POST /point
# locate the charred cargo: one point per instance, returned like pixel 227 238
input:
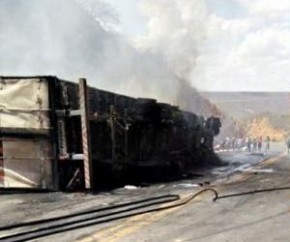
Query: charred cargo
pixel 60 135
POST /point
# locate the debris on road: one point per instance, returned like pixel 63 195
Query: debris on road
pixel 130 187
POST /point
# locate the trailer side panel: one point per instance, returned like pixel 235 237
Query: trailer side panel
pixel 26 156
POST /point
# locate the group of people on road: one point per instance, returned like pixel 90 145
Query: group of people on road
pixel 232 143
pixel 254 145
pixel 251 145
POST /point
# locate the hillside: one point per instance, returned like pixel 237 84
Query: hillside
pixel 247 104
pixel 256 113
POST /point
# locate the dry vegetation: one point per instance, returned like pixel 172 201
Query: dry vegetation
pixel 277 127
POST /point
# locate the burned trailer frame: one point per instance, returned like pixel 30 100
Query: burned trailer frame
pixel 96 138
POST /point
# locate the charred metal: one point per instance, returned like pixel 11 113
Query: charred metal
pixel 61 135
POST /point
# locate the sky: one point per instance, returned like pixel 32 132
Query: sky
pixel 245 44
pixel 150 47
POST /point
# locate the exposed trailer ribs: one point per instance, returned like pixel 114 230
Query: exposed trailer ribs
pixel 64 129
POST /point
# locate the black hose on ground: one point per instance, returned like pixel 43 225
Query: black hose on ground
pixel 164 199
pixel 82 223
pixel 64 227
pixel 251 192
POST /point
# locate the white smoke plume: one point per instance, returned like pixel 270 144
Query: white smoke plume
pixel 102 12
pixel 81 38
pixel 176 30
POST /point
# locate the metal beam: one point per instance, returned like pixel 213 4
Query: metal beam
pixel 86 141
pixel 1 165
pixel 74 113
pixel 52 83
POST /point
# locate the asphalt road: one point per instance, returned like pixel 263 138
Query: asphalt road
pixel 260 216
pixel 256 217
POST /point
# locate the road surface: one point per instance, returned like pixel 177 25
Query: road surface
pixel 256 217
pixel 261 216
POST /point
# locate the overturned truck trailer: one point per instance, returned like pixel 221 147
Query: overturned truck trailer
pixel 60 135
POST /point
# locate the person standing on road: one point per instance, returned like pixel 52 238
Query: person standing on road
pixel 249 144
pixel 233 143
pixel 267 148
pixel 227 144
pixel 260 144
pixel 288 144
pixel 255 143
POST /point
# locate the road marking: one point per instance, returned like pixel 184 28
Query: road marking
pixel 102 233
pixel 132 225
pixel 126 227
pixel 139 223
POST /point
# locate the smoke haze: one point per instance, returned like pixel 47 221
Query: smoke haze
pixel 72 39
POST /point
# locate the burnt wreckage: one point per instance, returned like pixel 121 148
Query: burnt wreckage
pixel 61 135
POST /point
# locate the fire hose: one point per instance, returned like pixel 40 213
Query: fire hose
pixel 60 227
